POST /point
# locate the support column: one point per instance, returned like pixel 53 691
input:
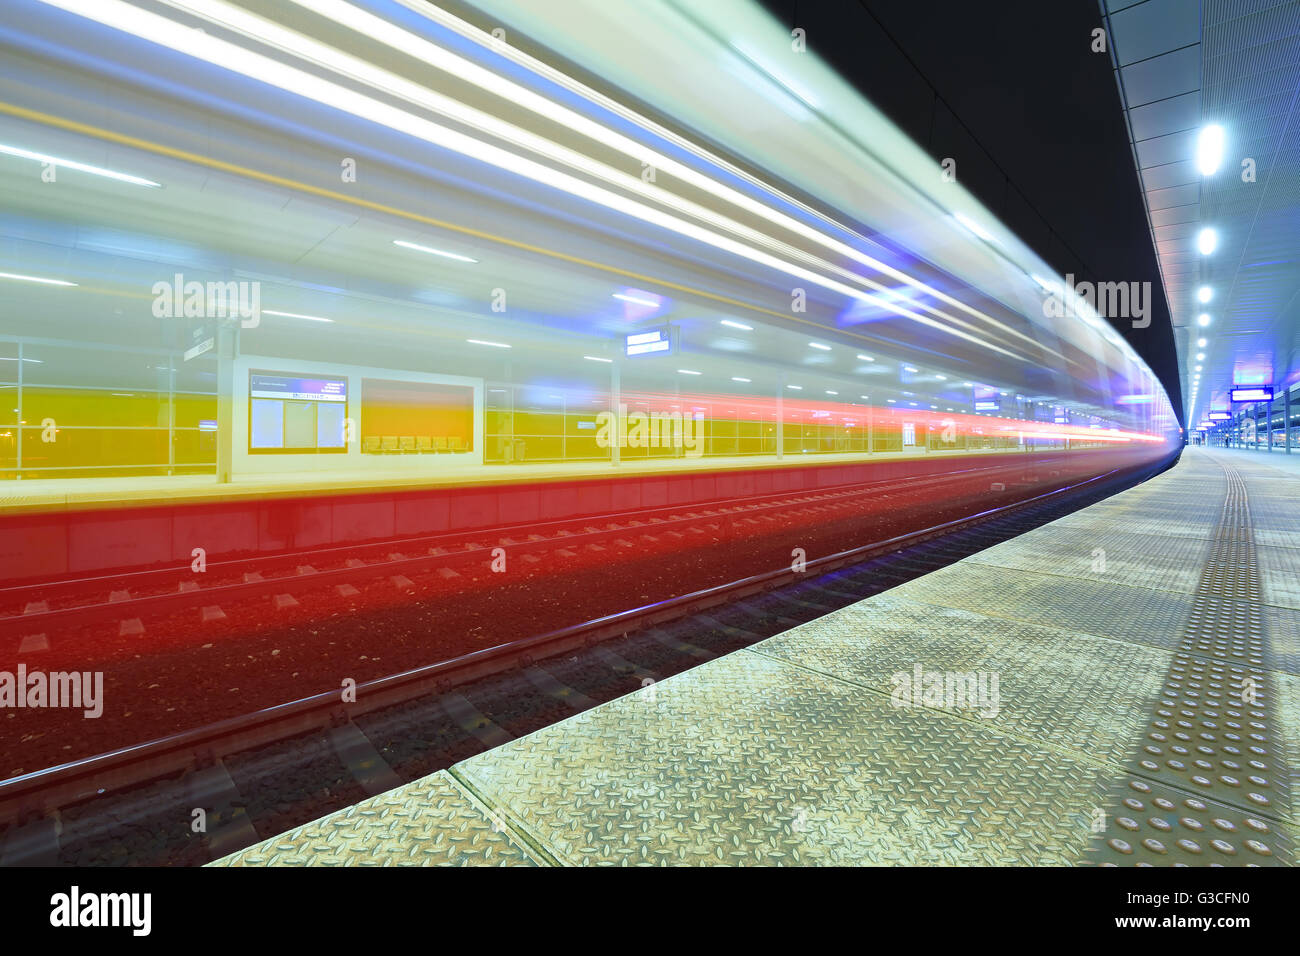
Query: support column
pixel 615 400
pixel 227 351
pixel 871 440
pixel 171 413
pixel 1286 419
pixel 780 417
pixel 18 448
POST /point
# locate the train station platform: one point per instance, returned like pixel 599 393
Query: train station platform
pixel 1119 686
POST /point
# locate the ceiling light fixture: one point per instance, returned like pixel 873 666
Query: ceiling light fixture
pixel 1209 150
pixel 1207 240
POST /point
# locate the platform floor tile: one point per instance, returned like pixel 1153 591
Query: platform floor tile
pixel 1279 571
pixel 1090 522
pixel 1288 692
pixel 1169 564
pixel 1060 688
pixel 1283 625
pixel 1135 614
pixel 431 822
pixel 750 760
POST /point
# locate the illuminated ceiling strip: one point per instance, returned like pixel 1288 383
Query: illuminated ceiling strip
pixel 43 281
pixel 160 30
pixel 56 162
pixel 485 79
pixel 288 41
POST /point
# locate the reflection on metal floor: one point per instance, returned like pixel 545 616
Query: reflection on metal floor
pixel 1119 686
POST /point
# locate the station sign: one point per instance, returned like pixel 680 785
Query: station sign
pixel 1220 416
pixel 1254 393
pixel 298 389
pixel 648 343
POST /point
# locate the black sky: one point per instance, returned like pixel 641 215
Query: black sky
pixel 1021 76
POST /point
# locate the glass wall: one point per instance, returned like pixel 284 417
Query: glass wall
pixel 74 412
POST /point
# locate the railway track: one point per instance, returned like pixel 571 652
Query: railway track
pixel 267 771
pixel 129 600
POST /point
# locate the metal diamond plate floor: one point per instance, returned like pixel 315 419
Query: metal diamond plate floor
pixel 1113 688
pixel 432 822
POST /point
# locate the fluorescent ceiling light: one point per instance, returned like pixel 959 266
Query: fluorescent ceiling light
pixel 818 345
pixel 1202 319
pixel 635 301
pixel 737 378
pixel 1209 150
pixel 495 345
pixel 22 278
pixel 829 392
pixel 737 325
pixel 797 388
pixel 687 371
pixel 942 378
pixel 1205 293
pixel 865 358
pixel 296 315
pixel 1206 241
pixel 431 251
pixel 597 358
pixel 908 368
pixel 80 167
pixel 6 358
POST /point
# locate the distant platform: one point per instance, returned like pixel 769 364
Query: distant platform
pixel 1146 652
pixel 58 494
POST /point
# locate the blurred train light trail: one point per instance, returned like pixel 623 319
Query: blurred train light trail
pixel 80 167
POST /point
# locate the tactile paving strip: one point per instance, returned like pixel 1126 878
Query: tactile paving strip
pixel 750 760
pixel 1154 825
pixel 431 822
pixel 1081 693
pixel 1213 737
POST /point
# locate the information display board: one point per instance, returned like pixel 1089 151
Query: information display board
pixel 987 399
pixel 288 414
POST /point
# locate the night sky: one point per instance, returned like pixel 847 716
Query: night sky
pixel 1019 75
